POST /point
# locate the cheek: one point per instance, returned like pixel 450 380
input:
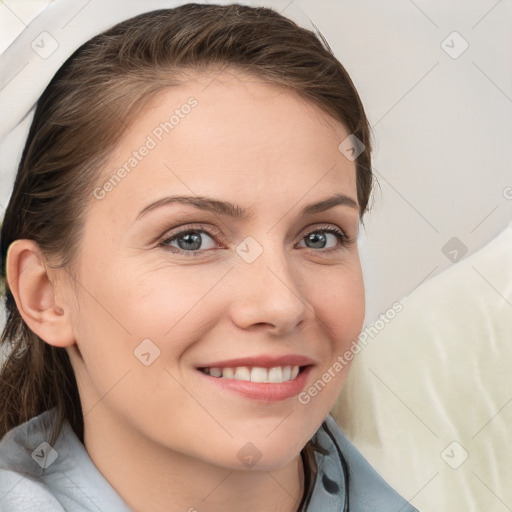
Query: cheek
pixel 340 308
pixel 177 305
pixel 125 304
pixel 340 303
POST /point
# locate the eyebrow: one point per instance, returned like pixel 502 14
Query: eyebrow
pixel 233 210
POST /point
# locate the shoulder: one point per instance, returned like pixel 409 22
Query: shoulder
pixel 36 476
pixel 346 477
pixel 19 493
pixel 22 487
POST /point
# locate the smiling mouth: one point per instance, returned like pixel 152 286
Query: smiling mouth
pixel 257 374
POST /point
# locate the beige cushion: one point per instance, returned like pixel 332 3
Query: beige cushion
pixel 429 398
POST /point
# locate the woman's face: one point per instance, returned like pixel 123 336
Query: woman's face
pixel 180 302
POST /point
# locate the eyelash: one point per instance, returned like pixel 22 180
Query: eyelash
pixel 344 240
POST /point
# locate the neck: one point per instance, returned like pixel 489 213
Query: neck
pixel 152 478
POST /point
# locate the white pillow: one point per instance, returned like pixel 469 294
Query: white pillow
pixel 428 400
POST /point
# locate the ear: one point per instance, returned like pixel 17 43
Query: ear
pixel 29 280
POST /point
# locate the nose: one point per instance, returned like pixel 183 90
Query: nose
pixel 269 293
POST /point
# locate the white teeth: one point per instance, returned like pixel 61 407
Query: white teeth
pixel 259 374
pixel 274 375
pixel 242 373
pixel 215 372
pixel 228 373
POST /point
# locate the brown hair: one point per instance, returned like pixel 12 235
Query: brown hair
pixel 82 114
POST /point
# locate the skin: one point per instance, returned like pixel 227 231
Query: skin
pixel 162 435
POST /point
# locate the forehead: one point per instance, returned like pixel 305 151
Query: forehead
pixel 227 134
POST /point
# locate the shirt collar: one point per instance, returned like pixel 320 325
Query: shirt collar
pixel 337 475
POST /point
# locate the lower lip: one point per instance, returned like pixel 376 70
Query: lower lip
pixel 263 391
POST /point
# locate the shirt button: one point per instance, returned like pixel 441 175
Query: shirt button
pixel 329 485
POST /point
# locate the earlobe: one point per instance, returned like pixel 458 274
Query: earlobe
pixel 35 294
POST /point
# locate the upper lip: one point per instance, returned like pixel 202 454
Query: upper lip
pixel 263 361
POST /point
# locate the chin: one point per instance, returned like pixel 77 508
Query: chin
pixel 274 446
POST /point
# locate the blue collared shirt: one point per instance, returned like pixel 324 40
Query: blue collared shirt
pixel 35 476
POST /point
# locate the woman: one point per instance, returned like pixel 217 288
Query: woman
pixel 183 275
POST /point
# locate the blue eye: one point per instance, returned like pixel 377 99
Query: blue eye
pixel 319 237
pixel 190 242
